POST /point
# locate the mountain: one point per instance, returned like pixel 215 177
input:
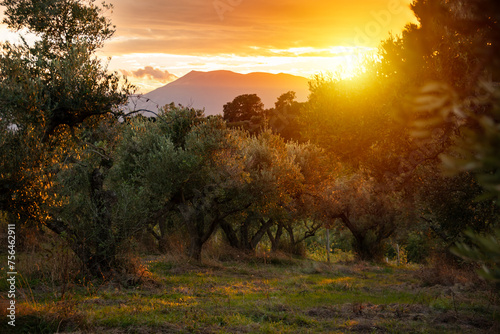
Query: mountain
pixel 211 90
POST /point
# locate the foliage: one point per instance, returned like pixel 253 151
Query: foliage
pixel 471 109
pixel 485 250
pixel 245 111
pixel 281 179
pixel 417 247
pixel 54 92
pixel 449 205
pixel 273 179
pixel 360 164
pixel 442 47
pixel 353 121
pixel 61 87
pixel 357 123
pixel 368 210
pixel 61 23
pixel 186 165
pixel 284 117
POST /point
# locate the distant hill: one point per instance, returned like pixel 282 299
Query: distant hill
pixel 211 90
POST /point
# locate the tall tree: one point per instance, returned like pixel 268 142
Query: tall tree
pixel 53 94
pixel 357 120
pixel 471 110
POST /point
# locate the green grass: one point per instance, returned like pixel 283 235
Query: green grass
pixel 301 296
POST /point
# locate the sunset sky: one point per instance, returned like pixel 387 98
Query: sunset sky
pixel 158 40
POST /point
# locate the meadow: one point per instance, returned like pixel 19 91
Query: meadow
pixel 261 294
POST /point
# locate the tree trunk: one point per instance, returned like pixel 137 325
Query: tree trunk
pixel 244 243
pixel 195 248
pixel 105 245
pixel 367 243
pixel 200 225
pixel 163 245
pixel 368 248
pixel 98 254
pixel 230 234
pixel 275 240
pixel 291 236
pixel 260 233
pixel 397 254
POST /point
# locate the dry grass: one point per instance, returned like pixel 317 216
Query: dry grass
pixel 439 271
pixel 263 294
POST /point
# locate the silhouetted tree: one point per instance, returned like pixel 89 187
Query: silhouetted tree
pixel 284 117
pixel 246 111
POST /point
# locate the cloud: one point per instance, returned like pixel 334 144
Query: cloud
pixel 196 27
pixel 151 73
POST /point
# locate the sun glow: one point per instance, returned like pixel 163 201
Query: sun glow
pixel 340 61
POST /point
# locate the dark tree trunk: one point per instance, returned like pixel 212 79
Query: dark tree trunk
pixel 260 233
pixel 160 218
pixel 275 240
pixel 244 242
pixel 291 236
pixel 368 243
pixel 92 264
pixel 105 245
pixel 163 245
pixel 98 253
pixel 230 234
pixel 195 247
pixel 201 226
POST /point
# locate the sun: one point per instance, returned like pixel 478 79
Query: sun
pixel 344 62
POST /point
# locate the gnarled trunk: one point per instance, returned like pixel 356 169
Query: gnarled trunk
pixel 275 239
pixel 245 242
pixel 195 247
pixel 200 225
pixel 368 242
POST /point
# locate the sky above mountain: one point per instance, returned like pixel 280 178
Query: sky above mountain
pixel 159 40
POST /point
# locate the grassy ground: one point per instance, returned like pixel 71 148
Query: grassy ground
pixel 259 296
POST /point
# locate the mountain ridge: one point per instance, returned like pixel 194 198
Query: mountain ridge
pixel 211 90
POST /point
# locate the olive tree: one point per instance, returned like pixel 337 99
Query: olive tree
pixel 54 94
pixel 273 178
pixel 186 165
pixel 467 108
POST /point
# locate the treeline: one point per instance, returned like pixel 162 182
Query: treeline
pixel 363 154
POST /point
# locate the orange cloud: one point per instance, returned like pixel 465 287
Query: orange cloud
pixel 244 27
pixel 151 73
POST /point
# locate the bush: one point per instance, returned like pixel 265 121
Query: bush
pixel 443 270
pixel 417 248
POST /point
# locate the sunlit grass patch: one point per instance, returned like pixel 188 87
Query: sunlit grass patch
pixel 249 297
